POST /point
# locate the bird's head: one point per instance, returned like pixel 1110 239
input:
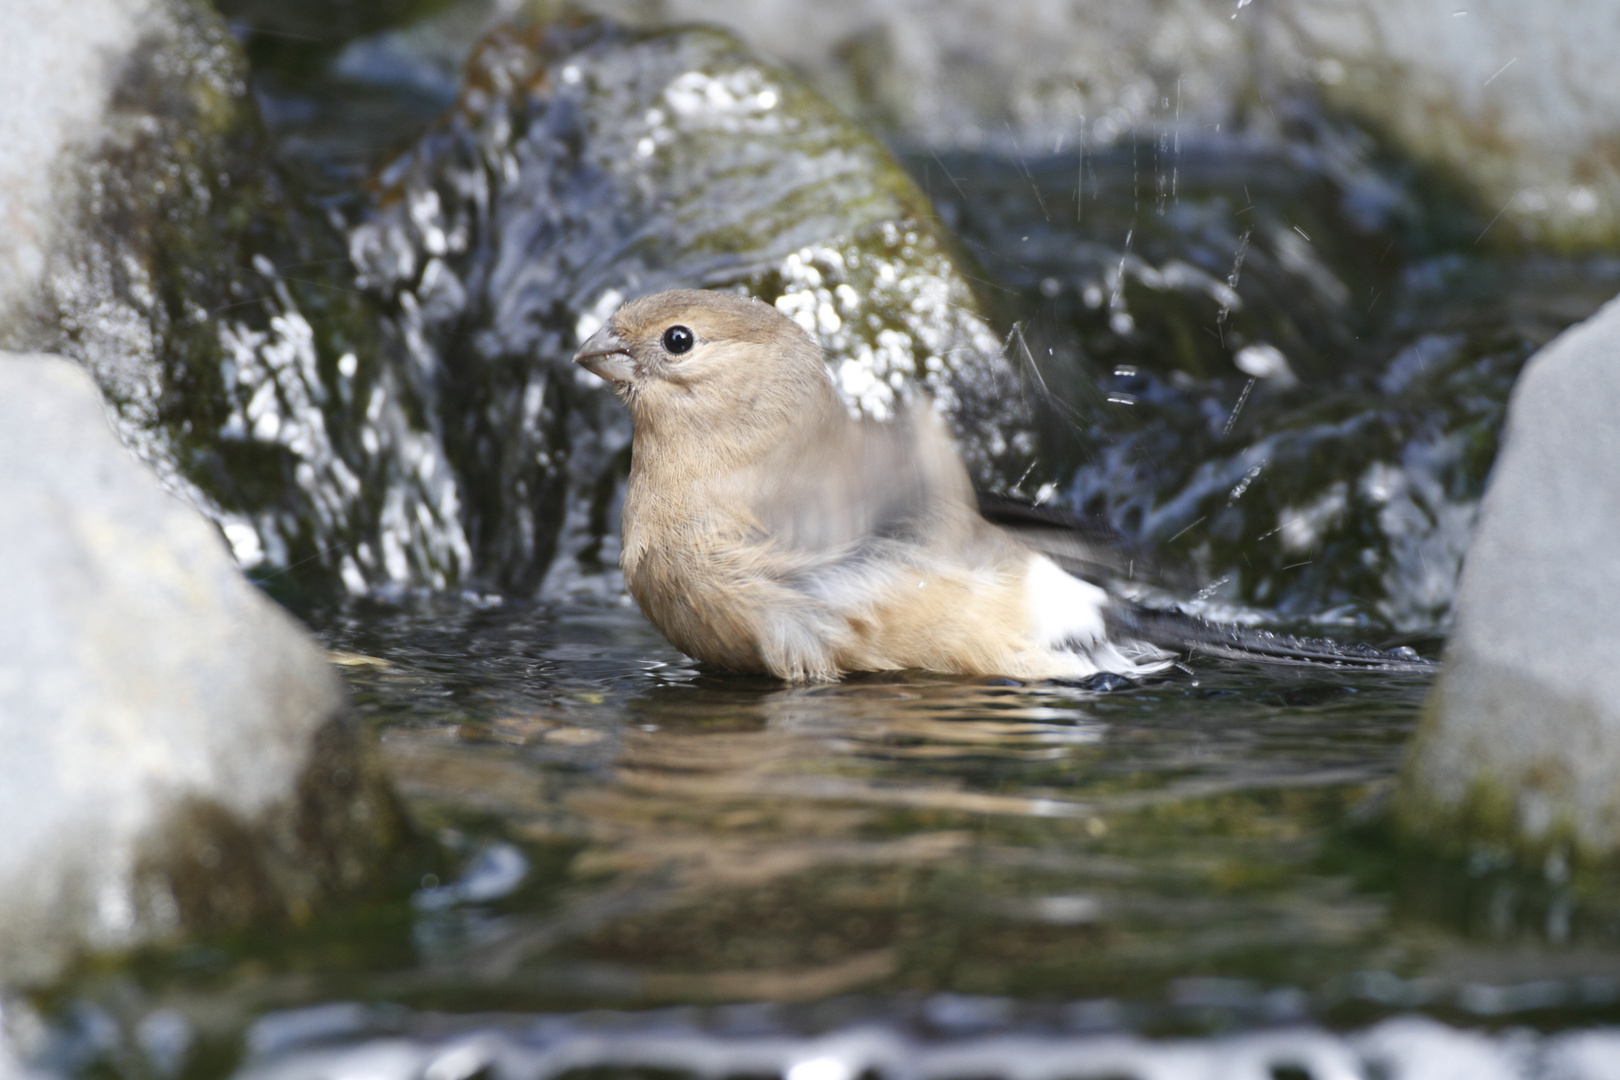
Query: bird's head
pixel 689 360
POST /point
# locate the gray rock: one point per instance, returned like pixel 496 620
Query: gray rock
pixel 61 47
pixel 151 239
pixel 583 166
pixel 1520 742
pixel 177 756
pixel 1521 100
pixel 442 441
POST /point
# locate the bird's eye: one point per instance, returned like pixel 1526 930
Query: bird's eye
pixel 678 339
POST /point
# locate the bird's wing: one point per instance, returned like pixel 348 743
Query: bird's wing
pixel 1082 547
pixel 862 486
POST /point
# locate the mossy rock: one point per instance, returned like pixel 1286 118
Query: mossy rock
pixel 216 313
pixel 583 166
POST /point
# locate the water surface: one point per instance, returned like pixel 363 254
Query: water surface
pixel 693 837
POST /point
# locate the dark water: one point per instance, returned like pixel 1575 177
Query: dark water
pixel 1342 490
pixel 699 838
pixel 709 838
pixel 636 864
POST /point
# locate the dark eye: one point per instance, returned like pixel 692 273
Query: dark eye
pixel 678 339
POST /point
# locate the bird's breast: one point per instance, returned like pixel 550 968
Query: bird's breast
pixel 690 567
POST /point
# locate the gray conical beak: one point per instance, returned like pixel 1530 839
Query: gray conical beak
pixel 606 356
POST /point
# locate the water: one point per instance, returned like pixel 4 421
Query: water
pixel 913 835
pixel 695 838
pixel 641 865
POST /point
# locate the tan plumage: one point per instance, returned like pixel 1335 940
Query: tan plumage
pixel 765 530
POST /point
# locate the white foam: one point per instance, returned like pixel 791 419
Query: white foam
pixel 1408 1046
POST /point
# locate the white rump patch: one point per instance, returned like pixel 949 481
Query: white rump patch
pixel 1068 617
pixel 1068 612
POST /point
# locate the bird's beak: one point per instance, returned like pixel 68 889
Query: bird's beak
pixel 606 356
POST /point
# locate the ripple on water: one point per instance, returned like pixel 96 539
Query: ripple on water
pixel 644 865
pixel 735 837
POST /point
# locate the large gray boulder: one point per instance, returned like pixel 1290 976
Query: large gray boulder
pixel 1521 101
pixel 175 750
pixel 1520 743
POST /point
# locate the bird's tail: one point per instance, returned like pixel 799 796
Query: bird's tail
pixel 1188 634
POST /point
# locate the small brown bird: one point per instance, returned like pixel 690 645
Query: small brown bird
pixel 766 530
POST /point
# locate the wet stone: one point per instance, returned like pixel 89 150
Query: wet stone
pixel 214 309
pixel 584 166
pixel 1518 104
pixel 1520 742
pixel 179 758
pixel 1284 378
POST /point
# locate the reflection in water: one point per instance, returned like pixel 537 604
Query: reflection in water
pixel 707 839
pixel 655 868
